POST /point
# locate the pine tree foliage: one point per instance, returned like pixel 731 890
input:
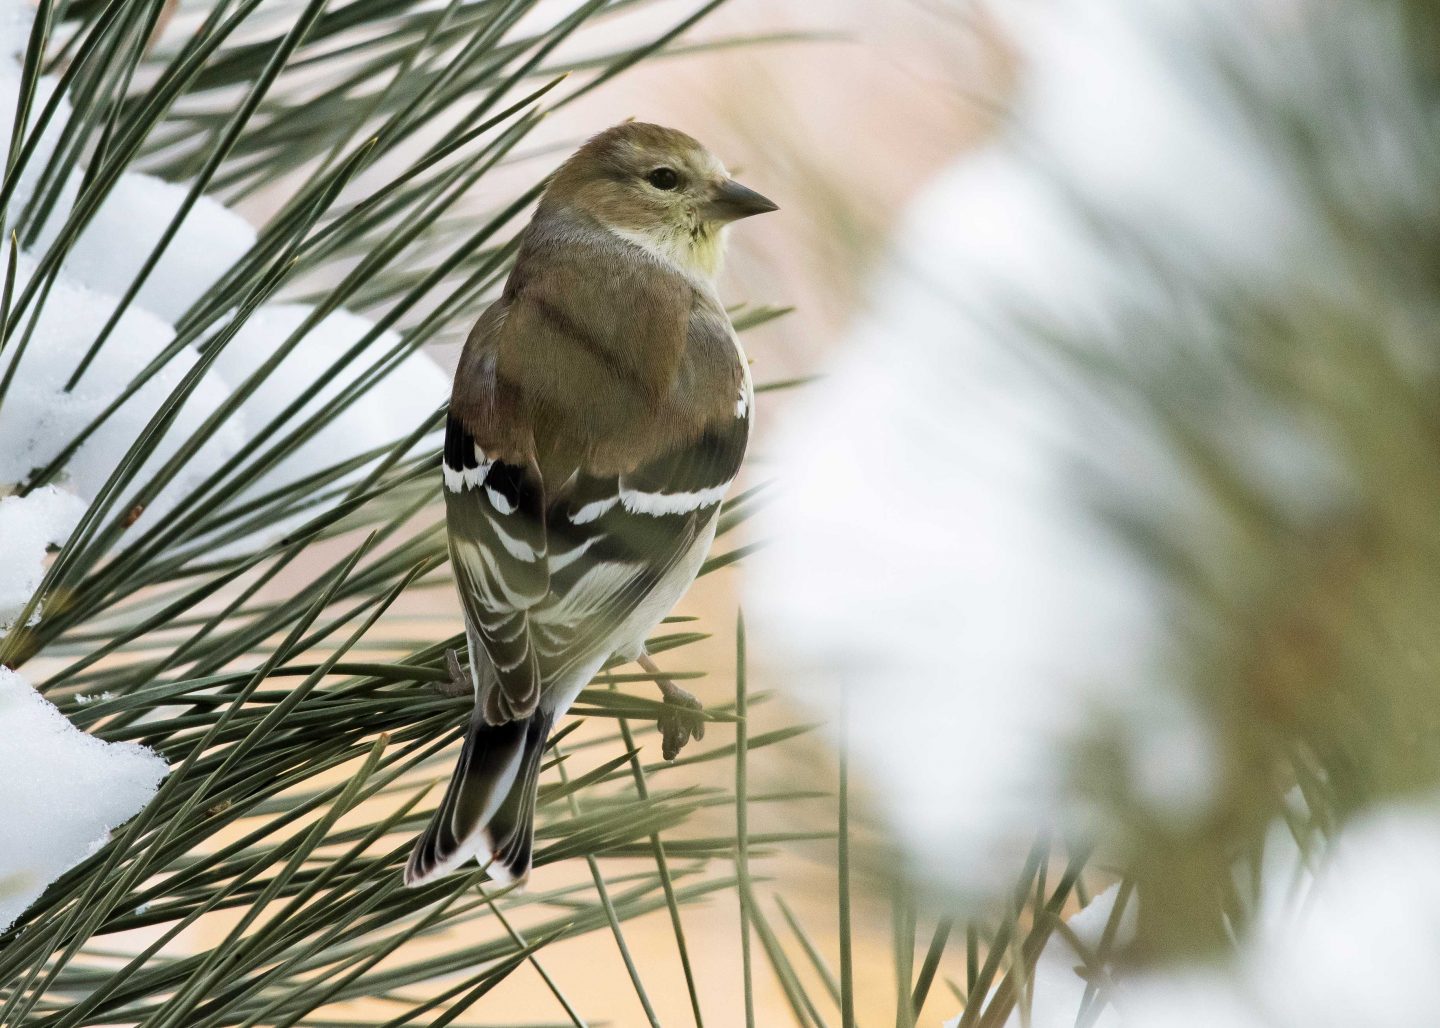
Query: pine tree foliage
pixel 303 741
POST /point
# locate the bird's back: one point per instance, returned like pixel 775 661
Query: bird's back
pixel 605 355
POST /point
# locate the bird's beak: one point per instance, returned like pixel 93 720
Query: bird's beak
pixel 730 201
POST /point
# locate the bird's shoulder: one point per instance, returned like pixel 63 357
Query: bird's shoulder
pixel 482 404
pixel 569 259
pixel 596 355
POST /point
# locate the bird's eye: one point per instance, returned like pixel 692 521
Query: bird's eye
pixel 663 178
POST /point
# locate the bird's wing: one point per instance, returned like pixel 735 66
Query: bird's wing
pixel 495 513
pixel 547 586
pixel 614 539
pixel 560 530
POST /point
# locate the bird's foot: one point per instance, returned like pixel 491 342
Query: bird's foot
pixel 459 683
pixel 683 717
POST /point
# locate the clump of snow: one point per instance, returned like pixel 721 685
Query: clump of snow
pixel 1057 988
pixel 978 620
pixel 16 17
pixel 1350 945
pixel 124 231
pixel 49 138
pixel 39 417
pixel 379 417
pixel 60 790
pixel 61 793
pixel 983 618
pixel 1119 106
pixel 946 545
pixel 1063 972
pixel 1371 916
pixel 28 526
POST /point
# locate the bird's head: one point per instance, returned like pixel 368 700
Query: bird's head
pixel 658 188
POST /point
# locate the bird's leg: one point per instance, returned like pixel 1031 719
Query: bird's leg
pixel 459 684
pixel 683 717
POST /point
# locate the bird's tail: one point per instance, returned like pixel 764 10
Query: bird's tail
pixel 489 808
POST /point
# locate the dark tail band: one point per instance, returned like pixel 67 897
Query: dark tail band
pixel 488 812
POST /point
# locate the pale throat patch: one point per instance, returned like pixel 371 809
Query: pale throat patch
pixel 698 256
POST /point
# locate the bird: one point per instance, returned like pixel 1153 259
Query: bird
pixel 601 409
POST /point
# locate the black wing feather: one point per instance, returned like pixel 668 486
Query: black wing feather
pixel 549 582
pixel 495 514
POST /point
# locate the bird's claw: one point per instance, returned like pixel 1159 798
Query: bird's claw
pixel 682 718
pixel 459 683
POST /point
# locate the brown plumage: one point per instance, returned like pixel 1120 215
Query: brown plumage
pixel 601 409
pixel 602 370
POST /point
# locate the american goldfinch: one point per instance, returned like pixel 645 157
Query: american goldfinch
pixel 600 412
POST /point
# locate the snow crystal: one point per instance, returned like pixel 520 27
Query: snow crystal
pixel 124 231
pixel 86 698
pixel 61 793
pixel 28 525
pixel 380 416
